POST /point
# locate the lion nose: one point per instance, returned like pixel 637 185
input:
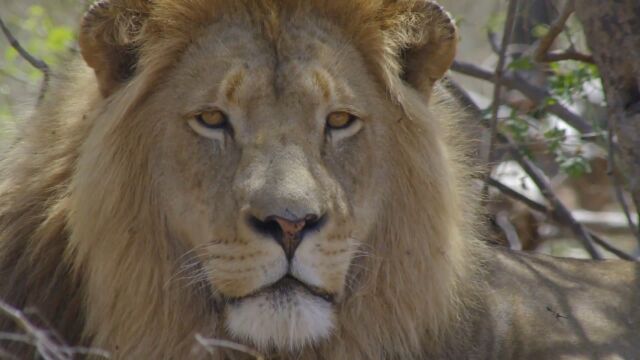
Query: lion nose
pixel 289 233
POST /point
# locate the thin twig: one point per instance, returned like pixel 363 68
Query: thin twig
pixel 508 229
pixel 492 37
pixel 560 213
pixel 543 209
pixel 35 62
pixel 537 176
pixel 48 345
pixel 569 54
pixel 611 172
pixel 612 249
pixel 545 42
pixel 497 77
pixel 541 53
pixel 209 344
pixel 537 94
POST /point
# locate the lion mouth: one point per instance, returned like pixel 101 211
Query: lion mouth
pixel 286 286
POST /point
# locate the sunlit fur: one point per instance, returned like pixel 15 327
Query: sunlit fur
pixel 100 200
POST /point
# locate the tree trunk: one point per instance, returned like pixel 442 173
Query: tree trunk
pixel 612 28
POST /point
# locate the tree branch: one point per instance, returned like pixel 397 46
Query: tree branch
pixel 535 93
pixel 35 62
pixel 48 345
pixel 545 42
pixel 568 54
pixel 497 78
pixel 542 53
pixel 541 208
pixel 558 207
pixel 556 216
pixel 507 228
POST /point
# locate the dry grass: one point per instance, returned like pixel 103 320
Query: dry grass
pixel 50 346
pixel 47 343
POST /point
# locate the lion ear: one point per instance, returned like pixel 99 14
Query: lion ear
pixel 428 40
pixel 107 39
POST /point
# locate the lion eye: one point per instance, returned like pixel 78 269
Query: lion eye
pixel 212 119
pixel 341 125
pixel 212 124
pixel 340 120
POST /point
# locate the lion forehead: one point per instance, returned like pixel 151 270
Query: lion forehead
pixel 313 65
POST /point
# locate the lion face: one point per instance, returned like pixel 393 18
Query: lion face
pixel 266 161
pixel 280 156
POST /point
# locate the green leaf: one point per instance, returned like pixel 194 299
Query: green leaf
pixel 59 38
pixel 10 54
pixel 496 22
pixel 555 138
pixel 517 127
pixel 569 78
pixel 540 30
pixel 575 166
pixel 555 133
pixel 522 63
pixel 36 11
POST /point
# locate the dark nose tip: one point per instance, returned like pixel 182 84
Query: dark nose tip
pixel 289 233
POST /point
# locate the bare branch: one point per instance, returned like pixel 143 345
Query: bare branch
pixel 612 249
pixel 536 94
pixel 541 182
pixel 541 208
pixel 497 77
pixel 556 216
pixel 209 344
pixel 509 231
pixel 542 53
pixel 568 55
pixel 35 62
pixel 555 29
pixel 493 42
pixel 558 212
pixel 48 345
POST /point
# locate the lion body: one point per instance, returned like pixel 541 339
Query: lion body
pixel 103 201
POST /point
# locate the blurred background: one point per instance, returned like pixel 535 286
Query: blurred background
pixel 550 117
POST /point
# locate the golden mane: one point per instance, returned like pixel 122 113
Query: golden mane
pixel 59 185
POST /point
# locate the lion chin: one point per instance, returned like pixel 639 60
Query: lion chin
pixel 286 317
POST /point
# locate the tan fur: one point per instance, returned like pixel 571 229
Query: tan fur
pixel 126 230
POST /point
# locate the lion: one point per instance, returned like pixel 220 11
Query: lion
pixel 286 175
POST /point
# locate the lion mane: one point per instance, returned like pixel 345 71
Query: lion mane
pixel 85 242
pixel 82 241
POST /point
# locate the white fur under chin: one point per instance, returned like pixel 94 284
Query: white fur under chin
pixel 283 321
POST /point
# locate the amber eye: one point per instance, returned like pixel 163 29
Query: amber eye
pixel 212 124
pixel 340 120
pixel 214 119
